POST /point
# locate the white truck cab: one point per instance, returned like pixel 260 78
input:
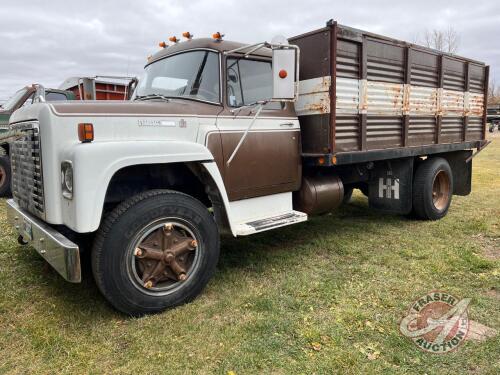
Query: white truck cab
pixel 211 125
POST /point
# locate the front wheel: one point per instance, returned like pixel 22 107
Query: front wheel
pixel 154 251
pixel 432 189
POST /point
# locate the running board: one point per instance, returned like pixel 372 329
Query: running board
pixel 268 223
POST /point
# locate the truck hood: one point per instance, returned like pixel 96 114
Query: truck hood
pixel 176 107
pixel 119 108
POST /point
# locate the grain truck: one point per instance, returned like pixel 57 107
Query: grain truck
pixel 225 137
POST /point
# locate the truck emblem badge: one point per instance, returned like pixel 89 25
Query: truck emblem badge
pixel 386 190
pixel 156 123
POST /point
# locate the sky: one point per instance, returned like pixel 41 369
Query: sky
pixel 48 41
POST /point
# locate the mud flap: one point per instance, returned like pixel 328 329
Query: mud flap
pixel 391 186
pixel 461 169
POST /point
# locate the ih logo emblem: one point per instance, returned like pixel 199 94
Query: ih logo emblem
pixel 388 188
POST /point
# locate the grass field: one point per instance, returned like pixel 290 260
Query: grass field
pixel 322 297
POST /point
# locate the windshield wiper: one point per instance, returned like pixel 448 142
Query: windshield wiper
pixel 153 96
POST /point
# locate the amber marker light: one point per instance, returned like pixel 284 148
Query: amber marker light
pixel 162 44
pixel 217 36
pixel 187 35
pixel 321 161
pixel 334 159
pixel 173 39
pixel 282 73
pixel 85 132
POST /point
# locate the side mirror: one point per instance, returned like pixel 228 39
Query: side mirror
pixel 285 68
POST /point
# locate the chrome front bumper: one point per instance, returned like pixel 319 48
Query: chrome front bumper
pixel 57 250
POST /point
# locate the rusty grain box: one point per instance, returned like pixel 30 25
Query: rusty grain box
pixel 364 96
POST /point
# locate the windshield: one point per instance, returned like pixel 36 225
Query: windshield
pixel 190 75
pixel 13 100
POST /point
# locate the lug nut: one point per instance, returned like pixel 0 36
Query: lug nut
pixel 148 284
pixel 137 252
pixel 194 243
pixel 182 277
pixel 168 226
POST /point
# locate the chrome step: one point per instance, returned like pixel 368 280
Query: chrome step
pixel 268 223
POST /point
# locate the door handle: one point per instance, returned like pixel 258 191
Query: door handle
pixel 287 124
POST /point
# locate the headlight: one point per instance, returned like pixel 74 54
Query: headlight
pixel 67 179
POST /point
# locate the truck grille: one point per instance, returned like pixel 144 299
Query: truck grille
pixel 26 164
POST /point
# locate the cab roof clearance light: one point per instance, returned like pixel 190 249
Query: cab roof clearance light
pixel 217 36
pixel 173 39
pixel 187 35
pixel 162 45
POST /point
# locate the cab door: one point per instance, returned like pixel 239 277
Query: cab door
pixel 268 161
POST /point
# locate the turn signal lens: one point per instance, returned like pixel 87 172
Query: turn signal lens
pixel 217 36
pixel 187 35
pixel 162 44
pixel 173 39
pixel 321 161
pixel 85 132
pixel 282 73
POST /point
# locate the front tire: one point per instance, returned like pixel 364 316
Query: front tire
pixel 432 189
pixel 155 250
pixel 5 176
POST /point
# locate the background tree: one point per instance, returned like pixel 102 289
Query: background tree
pixel 447 40
pixel 493 92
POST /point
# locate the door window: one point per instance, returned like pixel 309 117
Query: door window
pixel 249 81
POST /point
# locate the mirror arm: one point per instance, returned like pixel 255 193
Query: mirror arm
pixel 242 139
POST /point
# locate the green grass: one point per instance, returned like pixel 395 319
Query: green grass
pixel 322 297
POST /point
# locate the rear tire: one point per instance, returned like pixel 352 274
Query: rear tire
pixel 5 176
pixel 432 189
pixel 136 260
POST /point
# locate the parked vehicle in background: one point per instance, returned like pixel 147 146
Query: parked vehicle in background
pixel 221 136
pixel 100 87
pixel 494 117
pixel 74 88
pixel 21 98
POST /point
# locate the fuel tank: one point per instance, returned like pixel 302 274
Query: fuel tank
pixel 319 194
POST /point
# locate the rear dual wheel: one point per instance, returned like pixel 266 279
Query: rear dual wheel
pixel 154 251
pixel 432 189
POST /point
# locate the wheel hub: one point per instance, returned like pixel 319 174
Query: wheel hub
pixel 441 190
pixel 165 255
